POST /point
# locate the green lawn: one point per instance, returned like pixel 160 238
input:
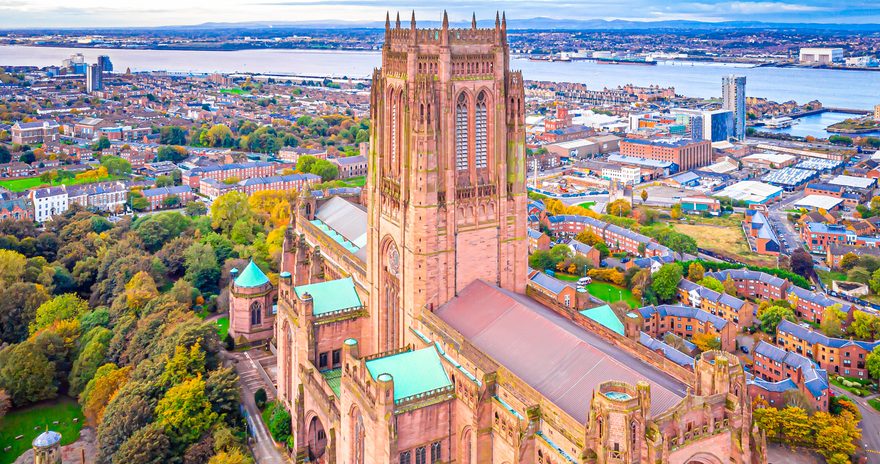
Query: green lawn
pixel 875 403
pixel 567 277
pixel 20 185
pixel 358 181
pixel 588 204
pixel 234 91
pixel 611 294
pixel 32 421
pixel 223 327
pixel 828 276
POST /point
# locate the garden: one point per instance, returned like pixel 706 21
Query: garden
pixel 63 416
pixel 611 294
pixel 858 387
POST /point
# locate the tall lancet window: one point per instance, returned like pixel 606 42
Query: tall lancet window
pixel 395 132
pixel 461 133
pixel 481 133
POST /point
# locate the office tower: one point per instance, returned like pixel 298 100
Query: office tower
pixel 733 90
pixel 104 63
pixel 94 78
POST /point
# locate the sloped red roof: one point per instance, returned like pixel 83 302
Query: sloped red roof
pixel 560 359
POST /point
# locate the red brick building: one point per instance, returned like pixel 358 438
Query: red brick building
pixel 685 153
pixel 777 371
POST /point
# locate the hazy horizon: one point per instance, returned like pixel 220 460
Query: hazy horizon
pixel 17 14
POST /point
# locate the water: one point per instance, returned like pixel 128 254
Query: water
pixel 815 125
pixel 834 88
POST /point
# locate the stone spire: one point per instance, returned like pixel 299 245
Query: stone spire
pixel 412 22
pixel 474 21
pixel 398 20
pixel 504 22
pixel 387 20
pixel 497 21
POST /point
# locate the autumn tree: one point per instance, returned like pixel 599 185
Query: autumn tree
pixel 185 412
pixel 644 195
pixel 26 374
pixel 832 321
pixel 140 290
pixel 729 286
pixel 848 261
pixel 706 342
pixel 872 362
pixel 619 208
pixel 228 209
pixel 12 264
pixel 61 308
pixel 696 272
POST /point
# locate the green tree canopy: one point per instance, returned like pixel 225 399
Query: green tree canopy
pixel 666 279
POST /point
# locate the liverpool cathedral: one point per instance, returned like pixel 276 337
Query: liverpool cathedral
pixel 404 330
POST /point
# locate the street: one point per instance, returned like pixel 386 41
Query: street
pixel 783 228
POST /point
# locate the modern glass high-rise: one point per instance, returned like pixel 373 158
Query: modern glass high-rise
pixel 733 93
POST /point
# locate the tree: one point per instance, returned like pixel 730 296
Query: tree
pixel 848 261
pixel 115 165
pixel 140 290
pixel 202 268
pixel 12 265
pixel 874 283
pixel 675 212
pixel 832 321
pixel 149 445
pixel 171 202
pixel 588 237
pixel 833 441
pixel 230 457
pixel 772 316
pixel 560 253
pixel 696 271
pixel 103 143
pixel 172 153
pixel 795 424
pixel 706 342
pixel 92 354
pixel 619 208
pixel 18 308
pixel 184 365
pixel 26 374
pixel 157 229
pixel 665 284
pixel 712 284
pixel 195 208
pixel 61 308
pixel 5 403
pixel 872 362
pixel 864 326
pixel 228 209
pixel 108 379
pixel 730 286
pixel 541 260
pixel 172 135
pixel 644 195
pixel 801 262
pixel 5 156
pixel 185 413
pixel 219 135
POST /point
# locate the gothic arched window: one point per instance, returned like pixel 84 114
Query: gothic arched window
pixel 481 132
pixel 256 313
pixel 461 132
pixel 395 131
pixel 358 438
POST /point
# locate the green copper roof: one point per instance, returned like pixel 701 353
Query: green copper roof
pixel 336 236
pixel 413 372
pixel 251 276
pixel 331 295
pixel 333 378
pixel 605 316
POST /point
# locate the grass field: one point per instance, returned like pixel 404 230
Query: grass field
pixel 828 276
pixel 611 294
pixel 223 327
pixel 875 403
pixel 588 204
pixel 359 181
pixel 20 185
pixel 234 91
pixel 567 277
pixel 725 239
pixel 32 421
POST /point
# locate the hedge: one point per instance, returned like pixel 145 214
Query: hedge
pixel 720 265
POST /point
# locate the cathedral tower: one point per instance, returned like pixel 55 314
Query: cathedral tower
pixel 446 181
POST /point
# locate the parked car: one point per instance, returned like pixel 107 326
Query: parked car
pixel 744 349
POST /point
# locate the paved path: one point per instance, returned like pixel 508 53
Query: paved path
pixel 250 379
pixel 870 424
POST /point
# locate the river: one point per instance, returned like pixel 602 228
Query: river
pixel 815 125
pixel 835 88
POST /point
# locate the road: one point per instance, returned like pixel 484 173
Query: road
pixel 783 228
pixel 870 425
pixel 262 446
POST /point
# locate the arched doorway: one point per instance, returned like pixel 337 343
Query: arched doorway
pixel 317 439
pixel 703 458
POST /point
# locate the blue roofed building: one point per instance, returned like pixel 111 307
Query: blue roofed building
pixel 777 371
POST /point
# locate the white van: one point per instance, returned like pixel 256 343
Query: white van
pixel 584 281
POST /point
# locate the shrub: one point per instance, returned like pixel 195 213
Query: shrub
pixel 260 398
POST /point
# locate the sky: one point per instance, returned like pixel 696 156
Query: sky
pixel 115 13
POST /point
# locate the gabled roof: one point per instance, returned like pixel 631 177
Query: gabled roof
pixel 331 295
pixel 252 276
pixel 668 351
pixel 552 354
pixel 543 280
pixel 413 372
pixel 684 311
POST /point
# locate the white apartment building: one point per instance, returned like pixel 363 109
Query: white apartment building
pixel 48 202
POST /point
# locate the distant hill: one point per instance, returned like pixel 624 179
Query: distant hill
pixel 538 23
